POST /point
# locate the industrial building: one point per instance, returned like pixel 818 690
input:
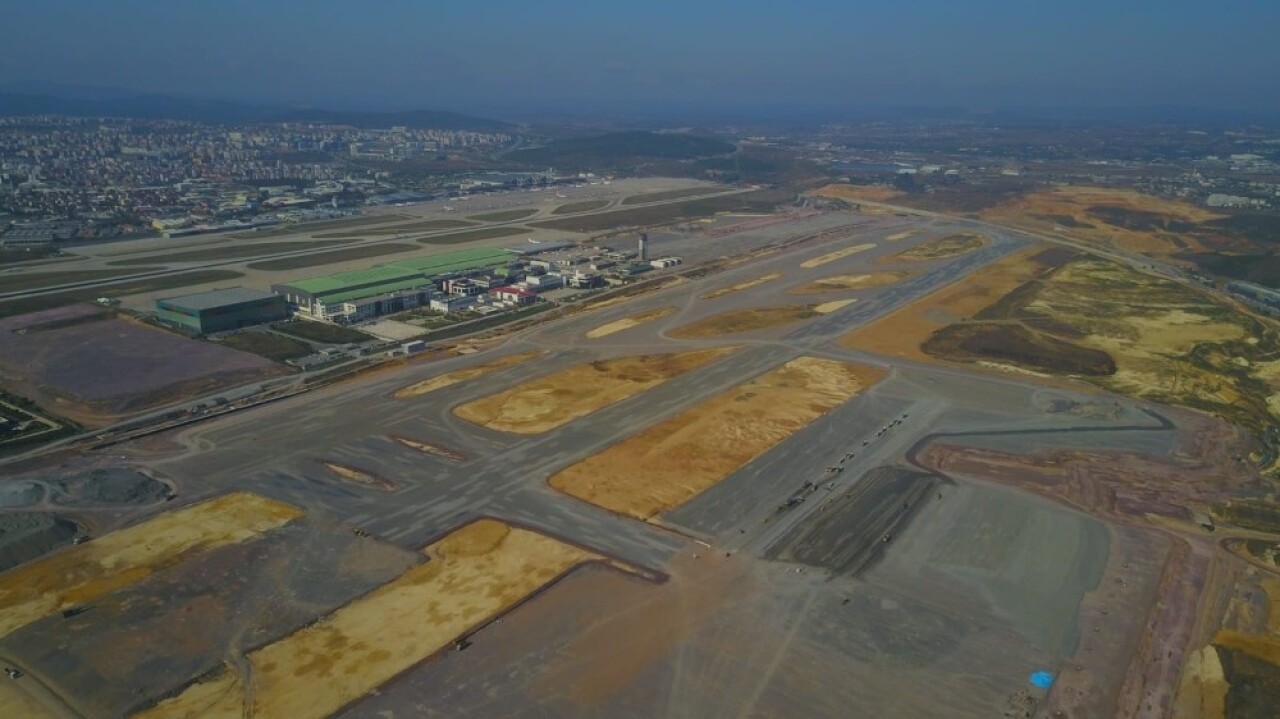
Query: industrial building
pixel 221 310
pixel 327 296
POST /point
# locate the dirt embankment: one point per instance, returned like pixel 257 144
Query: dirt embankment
pixel 668 464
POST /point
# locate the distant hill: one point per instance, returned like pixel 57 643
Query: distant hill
pixel 621 148
pixel 219 111
pixel 436 119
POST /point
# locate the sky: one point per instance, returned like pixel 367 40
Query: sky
pixel 576 57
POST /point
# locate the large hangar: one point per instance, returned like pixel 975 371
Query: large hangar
pixel 222 310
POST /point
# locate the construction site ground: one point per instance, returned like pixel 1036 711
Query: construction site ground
pixel 859 527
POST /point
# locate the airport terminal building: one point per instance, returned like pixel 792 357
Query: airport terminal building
pixel 349 296
pixel 221 310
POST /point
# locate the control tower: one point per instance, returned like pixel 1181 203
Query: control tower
pixel 642 251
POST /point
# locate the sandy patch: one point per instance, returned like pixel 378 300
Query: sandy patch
pixel 218 696
pixel 837 255
pixel 359 476
pixel 1202 690
pixel 669 463
pixel 899 236
pixel 869 193
pixel 843 283
pixel 127 556
pixel 544 404
pixel 941 248
pixel 829 307
pixel 627 323
pixel 462 375
pixel 17 703
pixel 432 449
pixel 472 575
pixel 745 285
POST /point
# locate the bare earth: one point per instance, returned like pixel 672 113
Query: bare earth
pixel 544 404
pixel 462 375
pixel 79 574
pixel 744 285
pixel 1082 213
pixel 941 248
pixel 671 462
pixel 728 323
pixel 473 574
pixel 858 192
pixel 837 255
pixel 842 283
pixel 627 323
pixel 901 333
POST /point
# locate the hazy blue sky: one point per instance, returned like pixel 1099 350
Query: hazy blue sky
pixel 504 55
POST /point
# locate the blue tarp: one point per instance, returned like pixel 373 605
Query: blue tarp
pixel 1042 679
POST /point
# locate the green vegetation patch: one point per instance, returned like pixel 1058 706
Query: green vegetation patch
pixel 505 215
pixel 1018 345
pixel 266 344
pixel 224 252
pixel 487 233
pixel 1261 268
pixel 11 255
pixel 755 201
pixel 671 195
pixel 574 208
pixel 332 257
pixel 24 305
pixel 1256 514
pixel 42 280
pixel 321 332
pixel 423 226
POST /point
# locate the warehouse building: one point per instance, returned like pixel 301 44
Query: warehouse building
pixel 329 296
pixel 221 310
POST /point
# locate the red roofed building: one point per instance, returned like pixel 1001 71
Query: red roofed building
pixel 514 294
